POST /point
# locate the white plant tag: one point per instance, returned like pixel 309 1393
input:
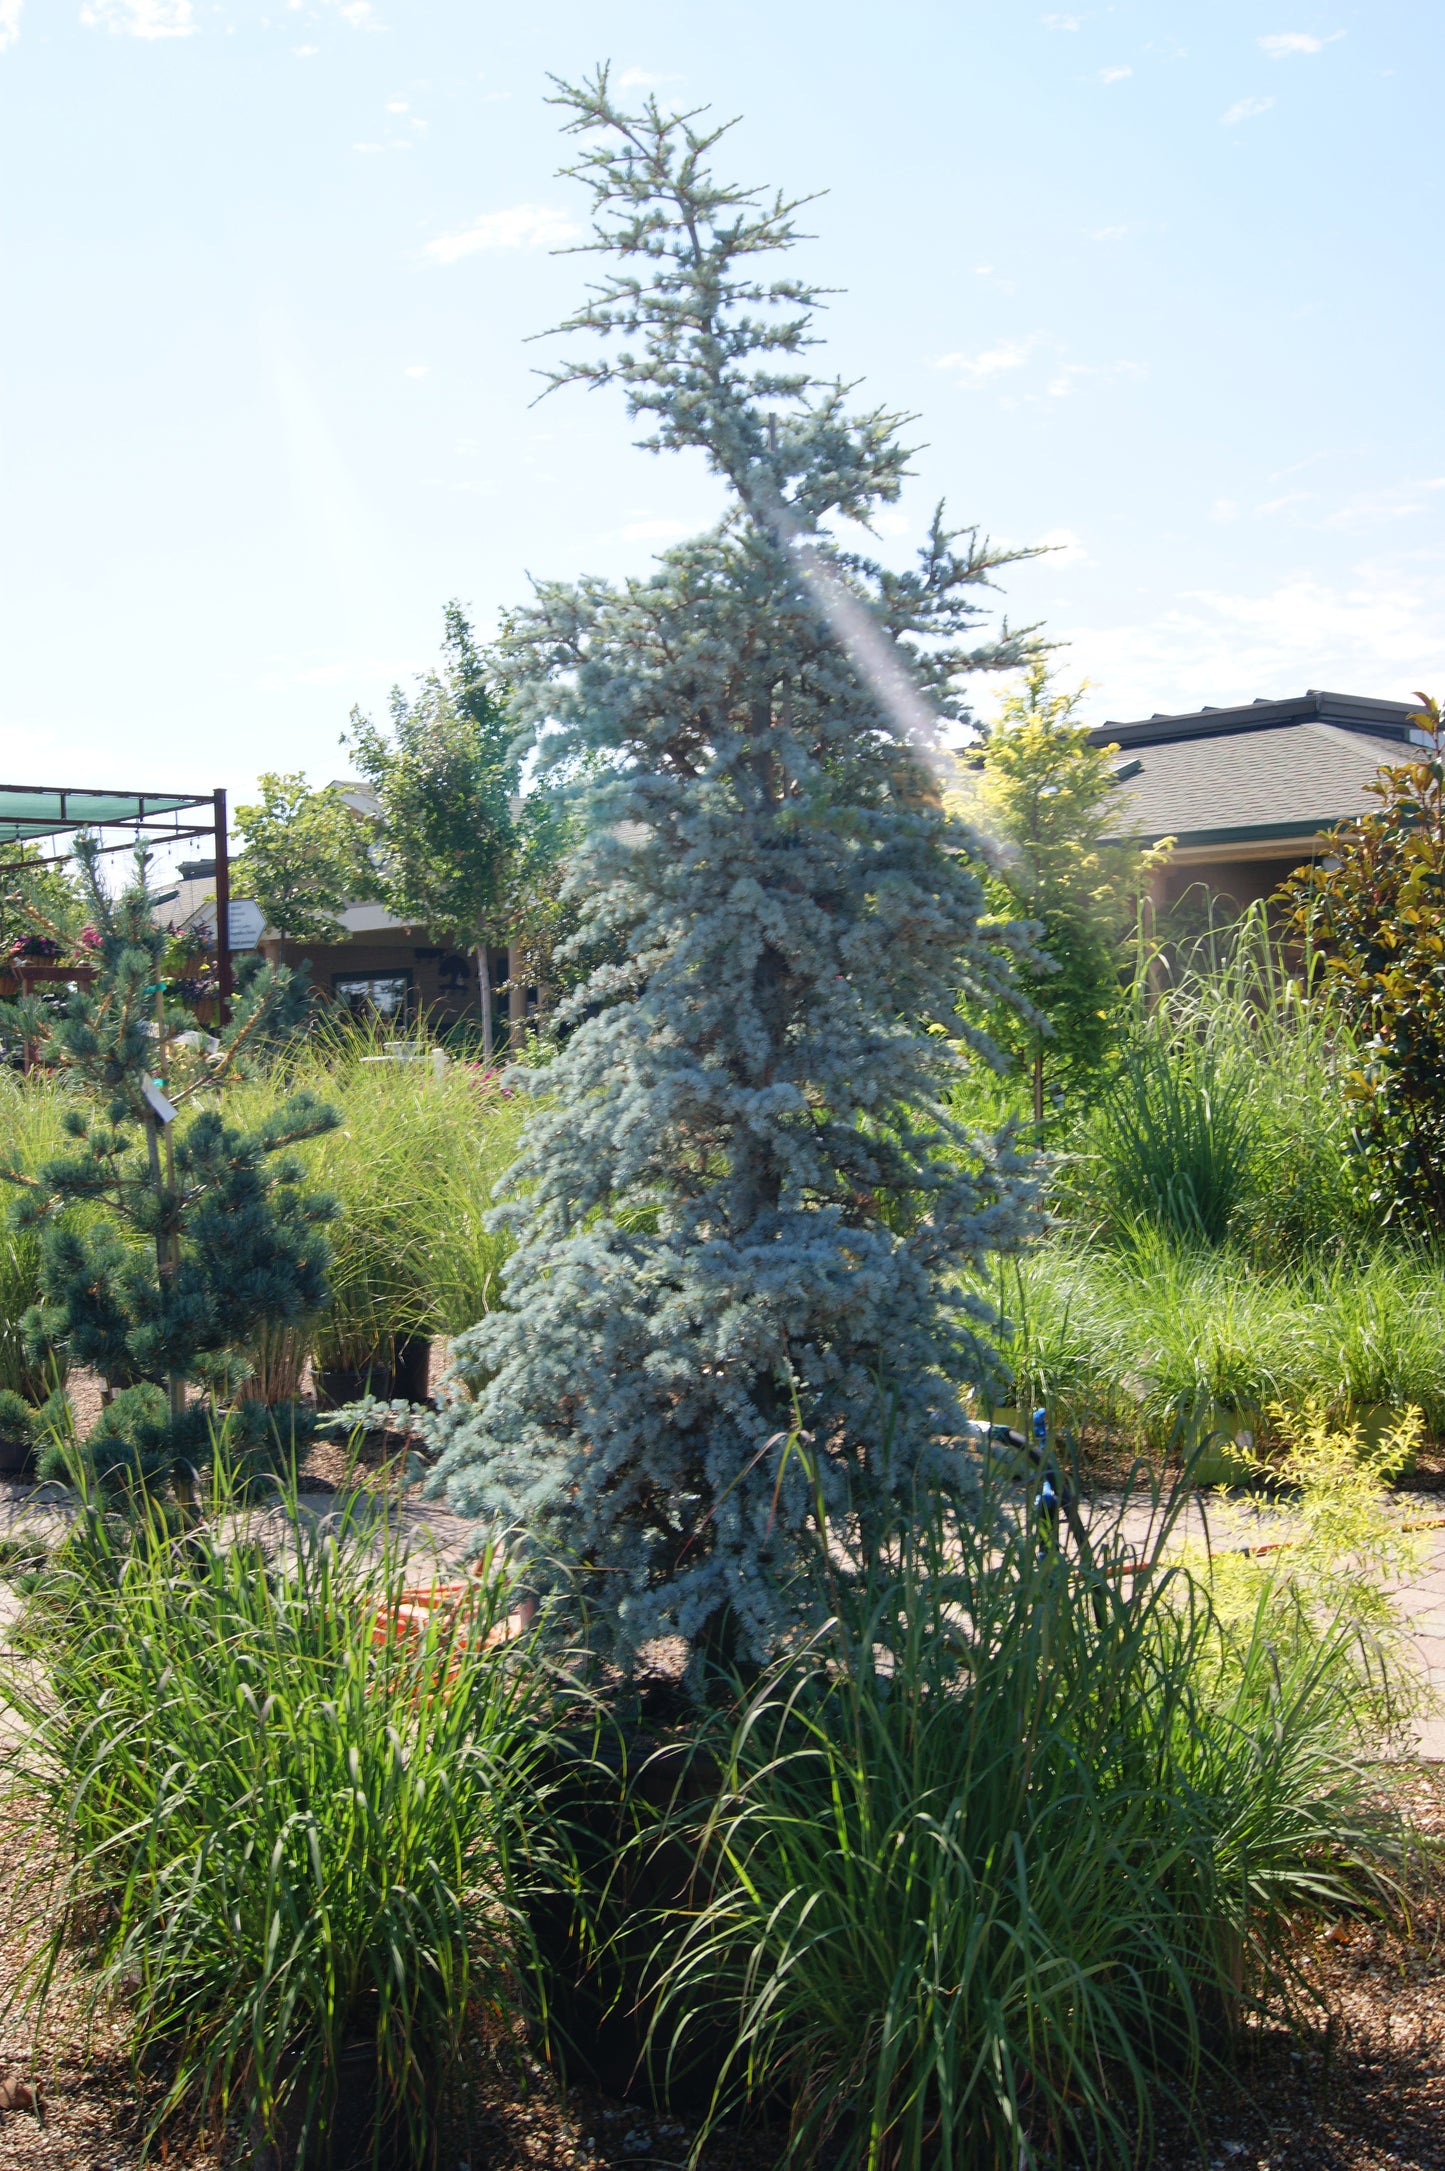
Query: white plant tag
pixel 157 1102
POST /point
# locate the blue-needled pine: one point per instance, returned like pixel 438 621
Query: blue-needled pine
pixel 741 1205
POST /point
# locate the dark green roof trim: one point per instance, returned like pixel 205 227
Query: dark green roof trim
pixel 1250 832
pixel 1347 712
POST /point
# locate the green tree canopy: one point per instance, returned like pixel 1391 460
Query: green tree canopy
pixel 37 899
pixel 445 781
pixel 1372 905
pixel 304 857
pixel 1049 796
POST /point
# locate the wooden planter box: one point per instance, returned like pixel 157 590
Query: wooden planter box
pixel 22 975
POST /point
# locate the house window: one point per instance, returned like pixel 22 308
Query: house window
pixel 373 994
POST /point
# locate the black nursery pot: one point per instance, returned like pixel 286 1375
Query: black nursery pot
pixel 352 2131
pixel 599 2000
pixel 17 1458
pixel 399 1369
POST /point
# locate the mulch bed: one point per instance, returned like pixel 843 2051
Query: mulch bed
pixel 1363 2092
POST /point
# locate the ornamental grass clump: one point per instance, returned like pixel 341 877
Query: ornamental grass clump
pixel 746 1185
pixel 1006 1851
pixel 294 1850
pixel 412 1165
pixel 1154 1342
pixel 1223 1120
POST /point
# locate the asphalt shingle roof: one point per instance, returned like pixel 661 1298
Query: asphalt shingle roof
pixel 1238 785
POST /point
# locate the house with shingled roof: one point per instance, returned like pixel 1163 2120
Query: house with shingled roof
pixel 1247 793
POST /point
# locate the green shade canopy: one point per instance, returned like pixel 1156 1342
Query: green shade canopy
pixel 31 812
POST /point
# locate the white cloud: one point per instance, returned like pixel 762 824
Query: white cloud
pixel 654 531
pixel 393 143
pixel 1381 630
pixel 1281 44
pixel 140 18
pixel 891 523
pixel 358 14
pixel 397 105
pixel 523 226
pixel 9 22
pixel 642 79
pixel 1063 22
pixel 1066 546
pixel 978 368
pixel 1114 75
pixel 1224 509
pixel 417 369
pixel 1070 373
pixel 305 52
pixel 1107 233
pixel 1244 109
pixel 1382 507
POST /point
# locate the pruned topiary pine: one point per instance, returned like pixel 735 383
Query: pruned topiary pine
pixel 741 1197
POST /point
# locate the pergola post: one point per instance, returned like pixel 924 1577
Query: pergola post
pixel 223 912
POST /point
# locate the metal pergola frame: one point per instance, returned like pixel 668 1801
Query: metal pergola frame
pixel 150 817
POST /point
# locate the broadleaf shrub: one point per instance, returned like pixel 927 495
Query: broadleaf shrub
pixel 1373 907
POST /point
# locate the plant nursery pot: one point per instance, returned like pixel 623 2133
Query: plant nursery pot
pixel 17 1458
pixel 411 1367
pixel 601 2000
pixel 337 1386
pixel 345 2138
pixel 1376 1420
pixel 1224 1439
pixel 399 1370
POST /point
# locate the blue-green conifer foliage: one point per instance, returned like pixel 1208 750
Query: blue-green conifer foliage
pixel 179 1253
pixel 741 1196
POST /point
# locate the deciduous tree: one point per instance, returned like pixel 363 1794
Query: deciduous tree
pixel 1050 797
pixel 304 857
pixel 446 780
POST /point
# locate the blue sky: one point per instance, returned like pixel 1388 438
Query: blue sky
pixel 1162 283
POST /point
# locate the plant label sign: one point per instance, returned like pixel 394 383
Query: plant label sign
pixel 157 1103
pixel 245 923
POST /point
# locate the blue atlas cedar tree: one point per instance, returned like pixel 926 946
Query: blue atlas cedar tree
pixel 743 1195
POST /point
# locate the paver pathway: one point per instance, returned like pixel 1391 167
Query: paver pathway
pixel 441 1540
